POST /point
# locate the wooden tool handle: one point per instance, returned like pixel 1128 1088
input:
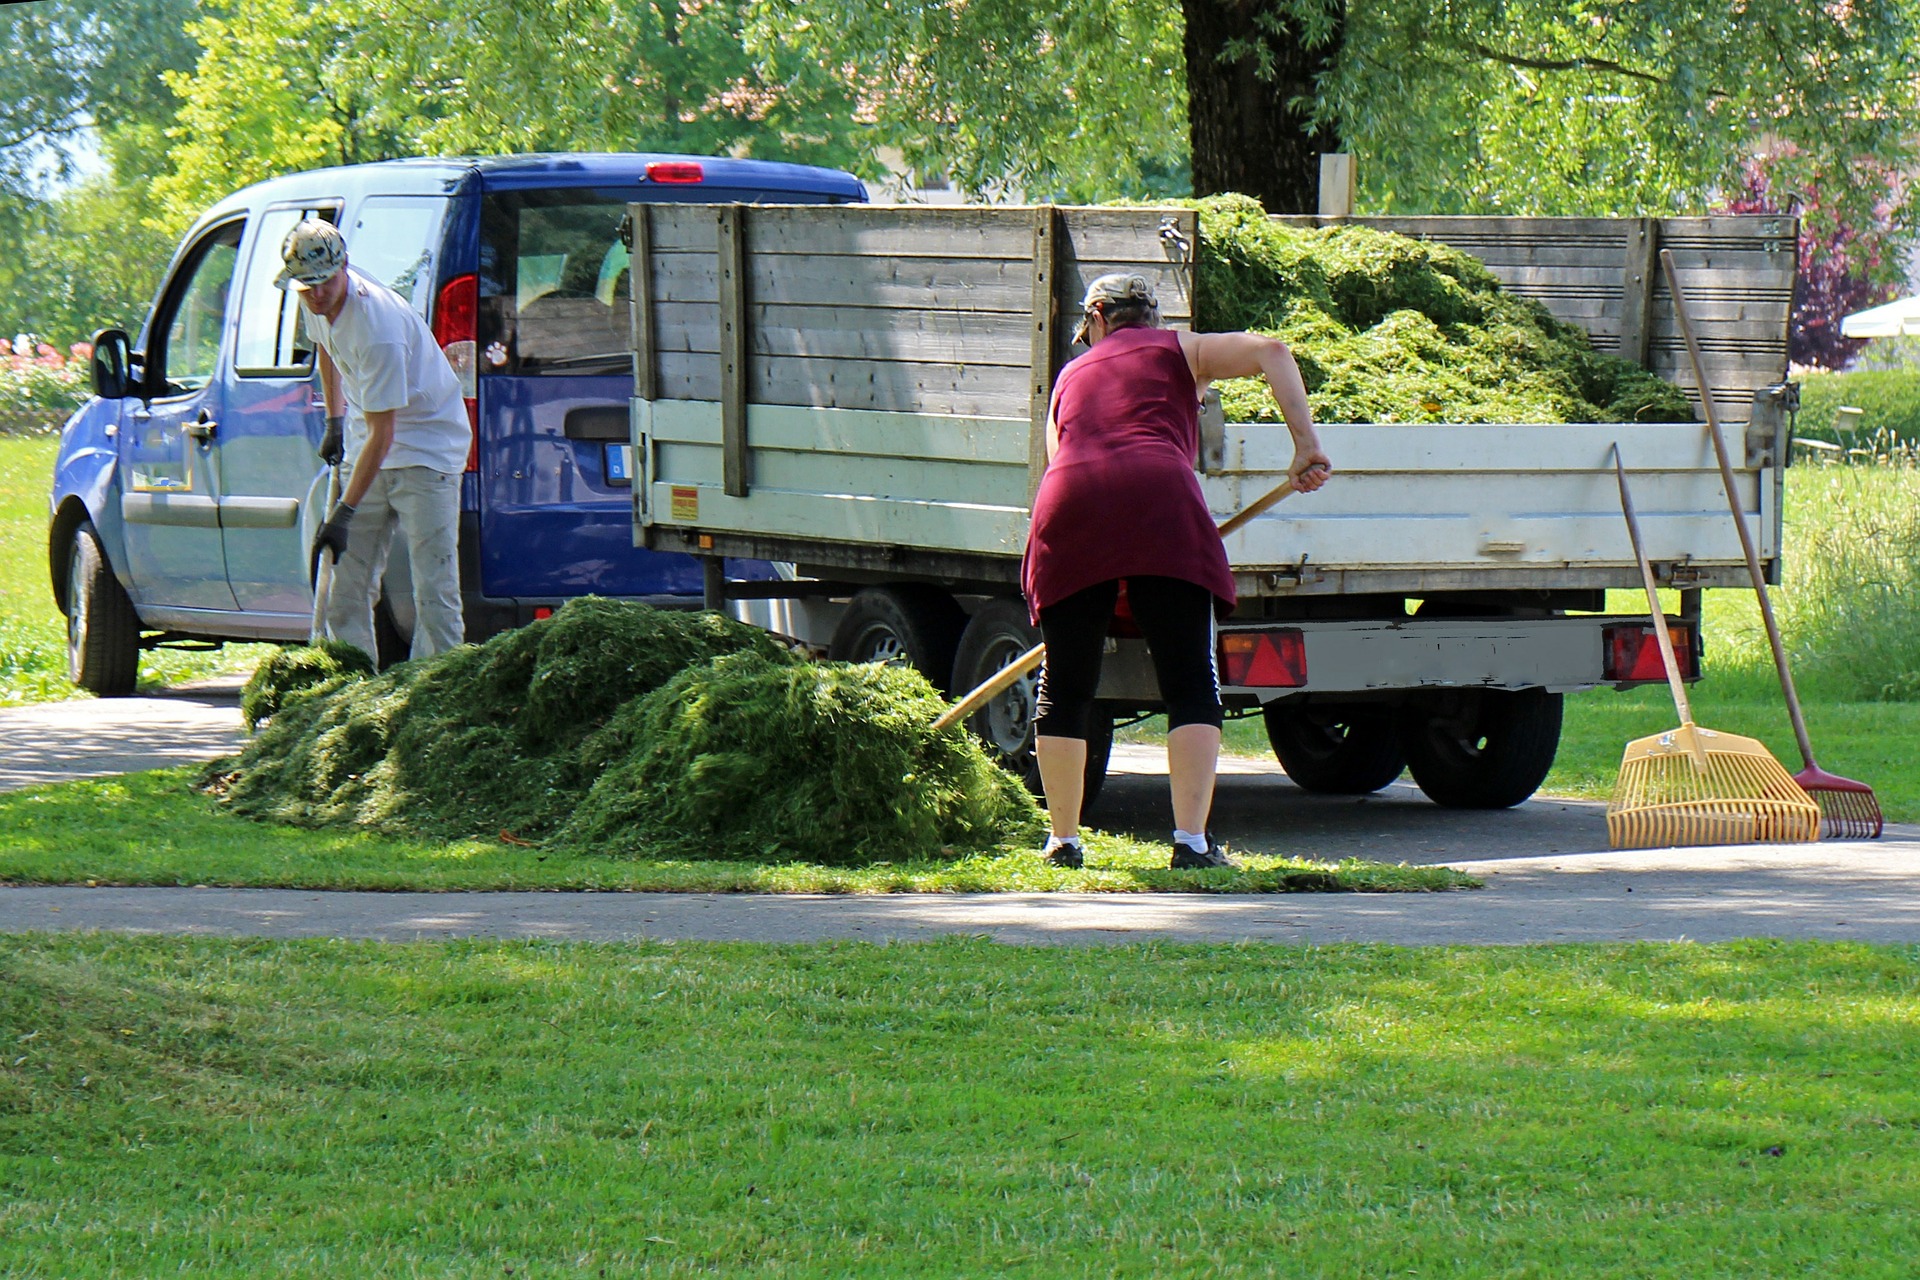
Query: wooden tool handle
pixel 1003 679
pixel 1739 517
pixel 995 685
pixel 1672 664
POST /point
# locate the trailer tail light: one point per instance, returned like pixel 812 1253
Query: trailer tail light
pixel 675 171
pixel 1274 659
pixel 1632 652
pixel 455 319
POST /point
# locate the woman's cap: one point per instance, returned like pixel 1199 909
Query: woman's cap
pixel 1116 287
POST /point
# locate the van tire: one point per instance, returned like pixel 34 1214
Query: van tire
pixel 1336 751
pixel 103 631
pixel 1482 748
pixel 997 634
pixel 911 622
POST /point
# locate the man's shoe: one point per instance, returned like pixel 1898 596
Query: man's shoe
pixel 1189 859
pixel 1068 855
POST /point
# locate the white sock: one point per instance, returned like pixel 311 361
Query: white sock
pixel 1054 842
pixel 1197 843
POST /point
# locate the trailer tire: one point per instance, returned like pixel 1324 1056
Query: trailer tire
pixel 1482 748
pixel 912 623
pixel 103 631
pixel 997 634
pixel 1336 751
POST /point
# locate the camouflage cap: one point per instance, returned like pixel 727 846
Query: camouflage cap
pixel 314 251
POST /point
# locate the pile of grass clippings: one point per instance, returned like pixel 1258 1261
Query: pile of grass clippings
pixel 479 739
pixel 1390 329
pixel 296 670
pixel 613 726
pixel 826 762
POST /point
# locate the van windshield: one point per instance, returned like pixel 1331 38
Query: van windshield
pixel 553 282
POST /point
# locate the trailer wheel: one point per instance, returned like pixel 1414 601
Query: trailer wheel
pixel 1482 748
pixel 103 631
pixel 915 624
pixel 999 633
pixel 1336 751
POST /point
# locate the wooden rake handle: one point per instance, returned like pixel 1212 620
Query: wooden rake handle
pixel 1660 633
pixel 1774 642
pixel 1004 678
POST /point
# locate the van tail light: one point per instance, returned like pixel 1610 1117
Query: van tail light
pixel 675 171
pixel 1631 652
pixel 1274 659
pixel 455 328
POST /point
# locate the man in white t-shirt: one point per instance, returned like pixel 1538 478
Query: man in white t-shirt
pixel 390 391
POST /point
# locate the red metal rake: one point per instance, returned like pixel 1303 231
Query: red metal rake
pixel 1848 809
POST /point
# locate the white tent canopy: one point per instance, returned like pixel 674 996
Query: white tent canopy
pixel 1889 321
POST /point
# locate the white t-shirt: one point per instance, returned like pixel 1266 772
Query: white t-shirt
pixel 388 360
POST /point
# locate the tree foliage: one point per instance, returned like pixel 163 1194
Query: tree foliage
pixel 1604 107
pixel 289 86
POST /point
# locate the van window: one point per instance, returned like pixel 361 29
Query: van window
pixel 198 320
pixel 394 239
pixel 271 342
pixel 553 286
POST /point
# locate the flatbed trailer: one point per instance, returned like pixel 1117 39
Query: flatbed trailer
pixel 860 393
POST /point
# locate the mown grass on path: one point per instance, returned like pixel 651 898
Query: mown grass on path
pixel 155 829
pixel 228 1109
pixel 33 637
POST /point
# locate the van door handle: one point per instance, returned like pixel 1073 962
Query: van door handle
pixel 202 428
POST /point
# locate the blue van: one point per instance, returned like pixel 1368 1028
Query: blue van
pixel 187 492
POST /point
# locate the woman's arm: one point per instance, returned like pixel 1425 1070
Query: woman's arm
pixel 1213 356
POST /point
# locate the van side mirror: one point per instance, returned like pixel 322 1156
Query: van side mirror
pixel 112 364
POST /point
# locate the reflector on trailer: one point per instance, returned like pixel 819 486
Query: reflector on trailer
pixel 1631 652
pixel 675 171
pixel 1274 659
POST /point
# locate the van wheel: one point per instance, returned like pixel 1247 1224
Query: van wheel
pixel 1335 751
pixel 1484 748
pixel 912 624
pixel 999 633
pixel 103 631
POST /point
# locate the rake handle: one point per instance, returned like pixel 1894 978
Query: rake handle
pixel 1667 659
pixel 1739 517
pixel 1000 681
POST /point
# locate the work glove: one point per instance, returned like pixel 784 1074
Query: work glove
pixel 333 534
pixel 333 443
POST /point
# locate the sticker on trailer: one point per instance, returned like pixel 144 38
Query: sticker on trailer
pixel 686 503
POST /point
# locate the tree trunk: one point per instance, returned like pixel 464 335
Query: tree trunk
pixel 1245 136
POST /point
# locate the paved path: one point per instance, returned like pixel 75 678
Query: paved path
pixel 93 737
pixel 1547 874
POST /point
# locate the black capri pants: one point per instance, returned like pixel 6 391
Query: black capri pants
pixel 1175 616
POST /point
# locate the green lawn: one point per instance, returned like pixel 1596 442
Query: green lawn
pixel 153 828
pixel 33 644
pixel 245 1109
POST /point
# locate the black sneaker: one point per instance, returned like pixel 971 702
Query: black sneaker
pixel 1189 859
pixel 1069 854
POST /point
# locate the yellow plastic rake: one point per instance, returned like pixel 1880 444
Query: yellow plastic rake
pixel 1694 786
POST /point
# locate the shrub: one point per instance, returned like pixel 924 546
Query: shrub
pixel 1889 401
pixel 40 389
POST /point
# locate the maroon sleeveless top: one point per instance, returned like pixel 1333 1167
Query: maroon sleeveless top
pixel 1120 497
